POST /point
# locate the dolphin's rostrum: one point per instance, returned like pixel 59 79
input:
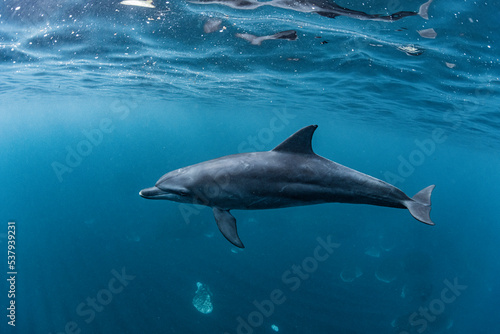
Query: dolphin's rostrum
pixel 289 175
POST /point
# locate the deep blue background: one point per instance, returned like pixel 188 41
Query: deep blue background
pixel 175 97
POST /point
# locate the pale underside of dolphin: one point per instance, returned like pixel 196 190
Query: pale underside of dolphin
pixel 322 7
pixel 290 35
pixel 289 175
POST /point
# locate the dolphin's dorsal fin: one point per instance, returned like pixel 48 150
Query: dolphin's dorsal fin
pixel 299 142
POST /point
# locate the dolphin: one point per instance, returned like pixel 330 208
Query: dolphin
pixel 290 35
pixel 289 175
pixel 325 8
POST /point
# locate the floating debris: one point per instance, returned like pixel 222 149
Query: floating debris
pixel 275 328
pixel 212 25
pixel 202 300
pixel 419 291
pixel 209 235
pixel 386 243
pixel 450 65
pixel 138 3
pixel 236 250
pixel 386 273
pixel 427 33
pixel 373 252
pixel 350 274
pixel 384 278
pixel 410 50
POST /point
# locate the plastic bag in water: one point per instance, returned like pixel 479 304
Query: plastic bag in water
pixel 203 299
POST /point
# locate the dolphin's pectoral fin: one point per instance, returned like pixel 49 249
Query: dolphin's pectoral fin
pixel 299 142
pixel 227 225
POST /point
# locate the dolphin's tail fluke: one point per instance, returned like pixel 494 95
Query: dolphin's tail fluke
pixel 420 205
pixel 423 11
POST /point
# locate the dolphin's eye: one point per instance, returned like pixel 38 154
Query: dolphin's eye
pixel 183 193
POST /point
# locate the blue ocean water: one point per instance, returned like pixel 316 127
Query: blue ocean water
pixel 100 99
